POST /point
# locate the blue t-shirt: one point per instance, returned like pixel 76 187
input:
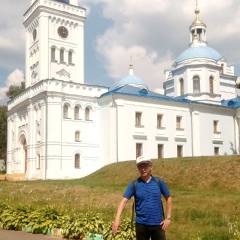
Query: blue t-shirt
pixel 148 205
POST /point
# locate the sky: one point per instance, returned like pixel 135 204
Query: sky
pixel 153 33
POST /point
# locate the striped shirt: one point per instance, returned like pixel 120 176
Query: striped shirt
pixel 148 205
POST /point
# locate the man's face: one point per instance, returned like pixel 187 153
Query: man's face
pixel 144 169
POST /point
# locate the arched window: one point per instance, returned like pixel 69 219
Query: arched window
pixel 77 161
pixel 181 86
pixel 211 87
pixel 76 112
pixel 38 159
pixel 62 55
pixel 87 113
pixel 53 53
pixel 70 57
pixel 65 111
pixel 196 84
pixel 77 136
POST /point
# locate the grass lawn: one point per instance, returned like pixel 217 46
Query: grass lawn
pixel 205 191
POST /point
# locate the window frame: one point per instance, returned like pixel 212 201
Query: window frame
pixel 178 122
pixel 196 84
pixel 159 120
pixel 65 111
pixel 77 157
pixel 138 119
pixel 179 151
pixel 139 149
pixel 160 151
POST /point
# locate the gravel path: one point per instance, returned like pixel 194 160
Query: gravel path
pixel 19 235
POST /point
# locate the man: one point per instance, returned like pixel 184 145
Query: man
pixel 150 221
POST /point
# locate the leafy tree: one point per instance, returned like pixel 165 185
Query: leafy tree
pixel 13 91
pixel 3 132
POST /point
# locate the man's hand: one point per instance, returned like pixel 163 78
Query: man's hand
pixel 115 226
pixel 165 224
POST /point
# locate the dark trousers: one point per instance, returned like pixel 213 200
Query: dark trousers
pixel 144 232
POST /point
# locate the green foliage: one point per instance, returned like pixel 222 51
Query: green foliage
pixel 127 231
pixel 3 132
pixel 77 226
pixel 43 219
pixel 14 219
pixel 13 91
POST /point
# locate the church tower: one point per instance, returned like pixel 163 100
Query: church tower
pixel 54 41
pixel 200 73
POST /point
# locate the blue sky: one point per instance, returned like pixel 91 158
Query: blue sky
pixel 153 32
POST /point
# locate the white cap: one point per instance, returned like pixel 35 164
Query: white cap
pixel 143 159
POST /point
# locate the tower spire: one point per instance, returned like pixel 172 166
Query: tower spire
pixel 131 72
pixel 198 30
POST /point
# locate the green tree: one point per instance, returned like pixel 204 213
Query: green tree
pixel 3 132
pixel 13 91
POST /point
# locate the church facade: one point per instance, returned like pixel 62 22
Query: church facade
pixel 62 128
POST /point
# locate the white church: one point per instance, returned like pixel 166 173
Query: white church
pixel 62 128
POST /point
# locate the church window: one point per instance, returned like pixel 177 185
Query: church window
pixel 65 111
pixel 196 84
pixel 159 120
pixel 53 53
pixel 77 161
pixel 62 55
pixel 77 136
pixel 87 114
pixel 181 86
pixel 215 126
pixel 70 57
pixel 138 119
pixel 211 89
pixel 138 150
pixel 76 112
pixel 216 151
pixel 38 159
pixel 160 151
pixel 178 122
pixel 179 151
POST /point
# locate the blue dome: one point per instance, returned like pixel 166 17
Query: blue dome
pixel 199 52
pixel 131 80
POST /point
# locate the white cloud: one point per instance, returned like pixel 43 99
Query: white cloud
pixel 15 78
pixel 155 32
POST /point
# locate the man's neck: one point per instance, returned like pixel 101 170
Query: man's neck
pixel 146 178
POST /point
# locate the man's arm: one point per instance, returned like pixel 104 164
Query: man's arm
pixel 121 207
pixel 167 221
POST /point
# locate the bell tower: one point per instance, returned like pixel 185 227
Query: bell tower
pixel 54 41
